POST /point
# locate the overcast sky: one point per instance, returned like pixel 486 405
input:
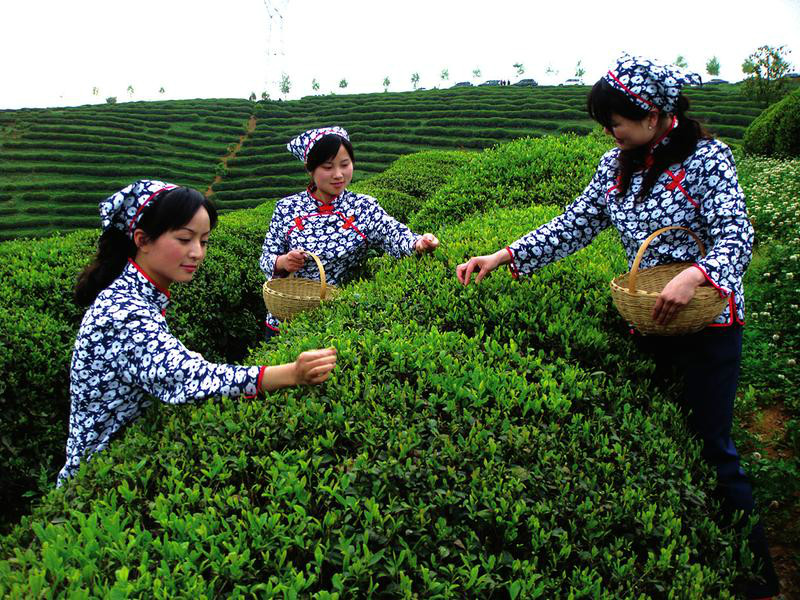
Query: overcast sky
pixel 54 52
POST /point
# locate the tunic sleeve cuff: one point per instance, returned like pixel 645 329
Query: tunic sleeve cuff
pixel 723 292
pixel 260 376
pixel 512 266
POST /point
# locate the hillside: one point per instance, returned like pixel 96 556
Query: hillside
pixel 55 164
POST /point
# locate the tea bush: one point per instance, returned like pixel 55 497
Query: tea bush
pixel 421 174
pixel 398 204
pixel 459 450
pixel 550 170
pixel 776 132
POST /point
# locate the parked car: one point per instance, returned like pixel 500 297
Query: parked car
pixel 715 81
pixel 526 82
pixel 463 84
pixel 572 81
pixel 491 82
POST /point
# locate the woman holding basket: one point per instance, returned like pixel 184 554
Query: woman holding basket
pixel 330 221
pixel 666 171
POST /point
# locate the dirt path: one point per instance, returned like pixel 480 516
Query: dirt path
pixel 768 426
pixel 251 127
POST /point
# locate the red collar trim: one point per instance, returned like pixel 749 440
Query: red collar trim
pixel 649 160
pixel 323 205
pixel 150 279
pixel 672 126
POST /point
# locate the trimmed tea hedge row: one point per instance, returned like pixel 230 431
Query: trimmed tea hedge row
pixel 40 149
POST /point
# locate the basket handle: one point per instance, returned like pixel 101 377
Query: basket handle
pixel 646 243
pixel 321 272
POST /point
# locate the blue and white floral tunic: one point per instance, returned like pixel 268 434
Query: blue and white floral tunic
pixel 338 233
pixel 702 193
pixel 124 354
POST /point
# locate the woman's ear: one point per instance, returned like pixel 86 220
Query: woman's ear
pixel 652 118
pixel 140 239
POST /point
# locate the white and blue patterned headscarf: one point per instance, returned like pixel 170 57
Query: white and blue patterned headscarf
pixel 303 143
pixel 649 84
pixel 124 209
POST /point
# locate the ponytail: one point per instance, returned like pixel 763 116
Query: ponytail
pixel 682 143
pixel 114 248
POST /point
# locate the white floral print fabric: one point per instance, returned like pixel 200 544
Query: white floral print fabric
pixel 702 193
pixel 124 208
pixel 124 355
pixel 303 143
pixel 649 84
pixel 338 233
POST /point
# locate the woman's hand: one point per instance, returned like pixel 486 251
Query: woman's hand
pixel 314 366
pixel 427 243
pixel 309 368
pixel 483 265
pixel 291 261
pixel 677 294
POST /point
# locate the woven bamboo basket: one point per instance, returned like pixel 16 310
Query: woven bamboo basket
pixel 286 297
pixel 635 294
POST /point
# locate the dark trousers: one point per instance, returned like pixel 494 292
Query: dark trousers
pixel 709 363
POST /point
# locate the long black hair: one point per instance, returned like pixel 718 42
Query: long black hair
pixel 325 149
pixel 604 101
pixel 169 211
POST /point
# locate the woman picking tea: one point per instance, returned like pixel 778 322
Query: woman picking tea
pixel 329 220
pixel 666 171
pixel 154 234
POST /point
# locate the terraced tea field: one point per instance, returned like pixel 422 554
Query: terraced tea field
pixel 55 164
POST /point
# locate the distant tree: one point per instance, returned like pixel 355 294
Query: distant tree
pixel 550 70
pixel 766 68
pixel 264 96
pixel 712 66
pixel 579 70
pixel 315 84
pixel 130 91
pixel 343 83
pixel 386 83
pixel 476 73
pixel 111 100
pixel 161 90
pixel 520 68
pixel 681 62
pixel 445 74
pixel 95 91
pixel 414 79
pixel 252 96
pixel 286 85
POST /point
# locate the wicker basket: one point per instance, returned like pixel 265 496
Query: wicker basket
pixel 286 297
pixel 635 294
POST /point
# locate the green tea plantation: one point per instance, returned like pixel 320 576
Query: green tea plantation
pixel 502 440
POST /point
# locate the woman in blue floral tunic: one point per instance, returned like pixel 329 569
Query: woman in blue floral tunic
pixel 329 220
pixel 665 170
pixel 154 234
